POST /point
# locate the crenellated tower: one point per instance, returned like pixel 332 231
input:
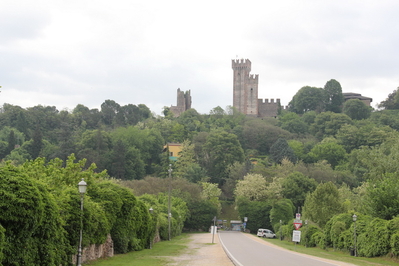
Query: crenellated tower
pixel 245 88
pixel 183 102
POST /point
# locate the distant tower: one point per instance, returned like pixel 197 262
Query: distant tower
pixel 183 102
pixel 245 88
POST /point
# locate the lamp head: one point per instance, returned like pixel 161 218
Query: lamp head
pixel 151 210
pixel 354 217
pixel 82 186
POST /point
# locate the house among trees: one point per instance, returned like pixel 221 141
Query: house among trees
pixel 350 95
pixel 174 149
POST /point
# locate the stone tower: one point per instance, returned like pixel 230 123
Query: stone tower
pixel 183 102
pixel 245 88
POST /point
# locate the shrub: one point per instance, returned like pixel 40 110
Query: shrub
pixel 30 216
pixel 308 232
pixel 319 238
pixel 375 240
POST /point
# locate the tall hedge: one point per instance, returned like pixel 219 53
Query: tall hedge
pixel 2 243
pixel 30 216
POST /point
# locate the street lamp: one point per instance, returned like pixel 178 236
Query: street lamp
pixel 82 190
pixel 169 203
pixel 306 233
pixel 151 212
pixel 354 217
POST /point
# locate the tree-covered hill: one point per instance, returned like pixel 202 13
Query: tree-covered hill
pixel 323 157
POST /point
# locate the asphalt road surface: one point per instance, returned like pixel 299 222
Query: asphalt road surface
pixel 243 250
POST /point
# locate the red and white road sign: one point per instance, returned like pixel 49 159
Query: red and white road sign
pixel 297 225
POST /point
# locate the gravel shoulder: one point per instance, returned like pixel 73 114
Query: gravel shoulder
pixel 201 251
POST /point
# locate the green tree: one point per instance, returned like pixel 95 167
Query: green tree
pixel 253 187
pixel 392 102
pixel 283 210
pixel 37 144
pixel 334 96
pixel 330 151
pixel 281 150
pixel 11 142
pixel 356 109
pixel 293 123
pixel 186 166
pixel 328 124
pixel 222 149
pixel 211 192
pixel 109 110
pixel 307 99
pixel 364 134
pixel 258 213
pixel 382 197
pixel 296 187
pixel 126 162
pixel 260 135
pixel 323 203
pixel 95 146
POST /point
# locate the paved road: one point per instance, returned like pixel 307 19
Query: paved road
pixel 244 250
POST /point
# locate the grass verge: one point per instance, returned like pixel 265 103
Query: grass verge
pixel 334 255
pixel 160 254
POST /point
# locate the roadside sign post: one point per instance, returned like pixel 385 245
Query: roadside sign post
pixel 297 221
pixel 296 234
pixel 213 229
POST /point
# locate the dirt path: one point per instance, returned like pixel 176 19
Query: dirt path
pixel 203 252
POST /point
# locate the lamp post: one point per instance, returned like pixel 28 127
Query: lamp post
pixel 281 236
pixel 306 233
pixel 82 190
pixel 169 203
pixel 151 212
pixel 354 217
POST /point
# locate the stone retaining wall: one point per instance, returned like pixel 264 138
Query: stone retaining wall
pixel 94 252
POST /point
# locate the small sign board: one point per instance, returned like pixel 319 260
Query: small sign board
pixel 296 236
pixel 297 225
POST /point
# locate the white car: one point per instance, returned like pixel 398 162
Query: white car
pixel 266 233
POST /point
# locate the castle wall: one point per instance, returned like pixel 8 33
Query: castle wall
pixel 268 109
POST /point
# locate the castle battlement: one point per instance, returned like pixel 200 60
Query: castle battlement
pixel 266 101
pixel 253 76
pixel 241 64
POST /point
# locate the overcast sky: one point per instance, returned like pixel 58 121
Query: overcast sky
pixel 64 53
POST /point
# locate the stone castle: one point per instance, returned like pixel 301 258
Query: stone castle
pixel 245 92
pixel 183 103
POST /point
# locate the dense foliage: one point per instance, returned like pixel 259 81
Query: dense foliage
pixel 323 157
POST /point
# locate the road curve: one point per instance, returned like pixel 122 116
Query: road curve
pixel 246 250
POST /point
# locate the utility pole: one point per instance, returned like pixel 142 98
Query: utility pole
pixel 169 202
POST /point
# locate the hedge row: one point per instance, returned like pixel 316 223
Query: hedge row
pixel 374 236
pixel 40 213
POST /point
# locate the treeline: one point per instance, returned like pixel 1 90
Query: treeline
pixel 323 156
